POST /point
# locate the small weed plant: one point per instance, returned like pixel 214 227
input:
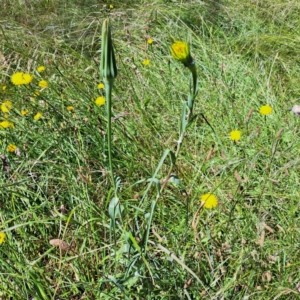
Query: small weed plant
pixel 149 150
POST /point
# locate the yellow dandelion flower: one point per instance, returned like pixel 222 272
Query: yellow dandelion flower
pixel 37 116
pixel 181 52
pixel 146 62
pixel 21 78
pixel 101 86
pixel 111 6
pixel 41 69
pixel 70 108
pixel 150 41
pixel 43 84
pixel 265 110
pixel 2 237
pixel 235 135
pixel 11 148
pixel 100 101
pixel 3 87
pixel 6 106
pixel 24 112
pixel 6 124
pixel 209 200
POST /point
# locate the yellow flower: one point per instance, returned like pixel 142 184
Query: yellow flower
pixel 150 41
pixel 146 62
pixel 6 106
pixel 3 87
pixel 265 110
pixel 100 101
pixel 70 108
pixel 2 237
pixel 6 124
pixel 11 148
pixel 41 69
pixel 101 86
pixel 235 135
pixel 209 200
pixel 24 112
pixel 180 51
pixel 20 78
pixel 111 6
pixel 36 93
pixel 37 116
pixel 43 84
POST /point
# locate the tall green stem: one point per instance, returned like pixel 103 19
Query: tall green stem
pixel 186 114
pixel 108 89
pixel 193 90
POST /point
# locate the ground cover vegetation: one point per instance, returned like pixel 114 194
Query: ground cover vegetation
pixel 200 206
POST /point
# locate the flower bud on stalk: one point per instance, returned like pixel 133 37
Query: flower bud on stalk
pixel 108 67
pixel 181 52
pixel 108 70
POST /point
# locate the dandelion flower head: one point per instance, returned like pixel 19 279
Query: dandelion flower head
pixel 101 86
pixel 21 78
pixel 43 84
pixel 11 148
pixel 210 200
pixel 24 112
pixel 6 106
pixel 70 108
pixel 6 124
pixel 111 6
pixel 37 116
pixel 181 52
pixel 41 69
pixel 265 110
pixel 150 41
pixel 235 135
pixel 146 62
pixel 100 101
pixel 2 237
pixel 3 87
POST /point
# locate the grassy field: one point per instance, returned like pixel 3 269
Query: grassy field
pixel 66 232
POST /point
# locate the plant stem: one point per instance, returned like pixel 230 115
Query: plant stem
pixel 108 89
pixel 186 115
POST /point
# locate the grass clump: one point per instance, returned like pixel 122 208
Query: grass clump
pixel 64 233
